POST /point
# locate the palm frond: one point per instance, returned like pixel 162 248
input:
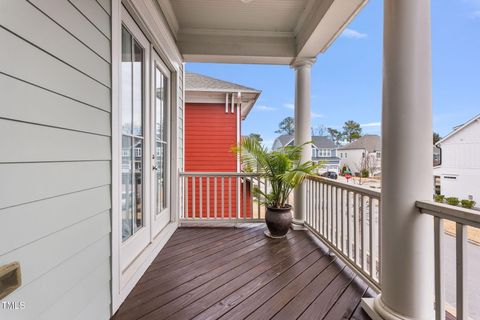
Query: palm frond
pixel 281 167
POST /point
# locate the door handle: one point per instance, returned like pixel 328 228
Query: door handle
pixel 154 168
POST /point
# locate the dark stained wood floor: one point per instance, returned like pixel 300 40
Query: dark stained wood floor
pixel 238 273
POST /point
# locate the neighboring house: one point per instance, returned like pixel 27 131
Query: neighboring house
pixel 324 150
pixel 459 168
pixel 363 153
pixel 214 110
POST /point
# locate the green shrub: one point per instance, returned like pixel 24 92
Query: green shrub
pixel 365 173
pixel 468 204
pixel 439 198
pixel 452 201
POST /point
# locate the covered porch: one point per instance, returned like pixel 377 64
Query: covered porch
pixel 388 240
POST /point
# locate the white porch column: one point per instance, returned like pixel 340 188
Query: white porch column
pixel 303 68
pixel 407 236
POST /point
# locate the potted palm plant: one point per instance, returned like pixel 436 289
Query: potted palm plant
pixel 283 170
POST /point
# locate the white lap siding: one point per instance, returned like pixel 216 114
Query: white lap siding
pixel 55 156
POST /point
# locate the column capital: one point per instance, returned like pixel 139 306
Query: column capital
pixel 302 62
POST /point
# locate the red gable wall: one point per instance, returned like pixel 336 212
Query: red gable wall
pixel 210 133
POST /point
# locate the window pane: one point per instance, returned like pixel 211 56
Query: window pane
pixel 126 82
pixel 137 89
pixel 158 104
pixel 138 176
pixel 127 192
pixel 161 147
pixel 165 106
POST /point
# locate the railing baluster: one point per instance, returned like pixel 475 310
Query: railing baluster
pixel 187 201
pixel 330 212
pixel 362 230
pixel 230 197
pixel 355 232
pixel 370 235
pixel 325 209
pixel 208 197
pixel 201 196
pixel 194 195
pixel 252 185
pixel 348 225
pixel 309 201
pixel 439 276
pixel 337 215
pixel 244 197
pixel 461 244
pixel 223 197
pixel 316 210
pixel 342 232
pixel 258 200
pixel 238 197
pixel 379 236
pixel 215 196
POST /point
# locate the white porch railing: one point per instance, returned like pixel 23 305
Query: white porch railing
pixel 221 197
pixel 346 217
pixel 463 218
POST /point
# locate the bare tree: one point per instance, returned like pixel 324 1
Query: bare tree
pixel 369 164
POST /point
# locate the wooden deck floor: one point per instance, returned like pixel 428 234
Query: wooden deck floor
pixel 238 273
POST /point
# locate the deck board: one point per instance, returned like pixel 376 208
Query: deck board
pixel 238 273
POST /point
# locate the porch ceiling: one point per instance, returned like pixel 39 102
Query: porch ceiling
pixel 256 31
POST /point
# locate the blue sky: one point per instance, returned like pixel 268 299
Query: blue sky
pixel 347 79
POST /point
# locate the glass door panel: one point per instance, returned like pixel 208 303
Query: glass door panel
pixel 161 146
pixel 135 224
pixel 132 135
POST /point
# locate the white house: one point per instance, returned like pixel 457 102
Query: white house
pixel 363 153
pixel 459 168
pixel 324 150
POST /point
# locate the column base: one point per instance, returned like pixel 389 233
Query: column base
pixel 377 310
pixel 298 225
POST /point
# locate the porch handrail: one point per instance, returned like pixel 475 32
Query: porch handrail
pixel 346 218
pixel 220 197
pixel 463 218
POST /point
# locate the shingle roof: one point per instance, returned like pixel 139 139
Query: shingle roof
pixel 284 139
pixel 199 82
pixel 323 142
pixel 369 142
pixel 319 141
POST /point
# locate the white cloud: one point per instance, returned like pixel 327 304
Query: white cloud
pixel 289 106
pixel 317 115
pixel 353 34
pixel 265 108
pixel 476 14
pixel 371 124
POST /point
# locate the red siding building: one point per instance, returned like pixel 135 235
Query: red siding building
pixel 214 110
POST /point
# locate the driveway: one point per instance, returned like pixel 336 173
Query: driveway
pixel 473 264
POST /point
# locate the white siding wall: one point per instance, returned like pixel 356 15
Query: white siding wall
pixel 460 168
pixel 353 159
pixel 55 159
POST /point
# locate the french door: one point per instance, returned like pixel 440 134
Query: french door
pixel 160 144
pixel 145 145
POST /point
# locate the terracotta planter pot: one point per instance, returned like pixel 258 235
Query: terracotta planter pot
pixel 278 221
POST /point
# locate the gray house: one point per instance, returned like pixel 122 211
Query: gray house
pixel 323 150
